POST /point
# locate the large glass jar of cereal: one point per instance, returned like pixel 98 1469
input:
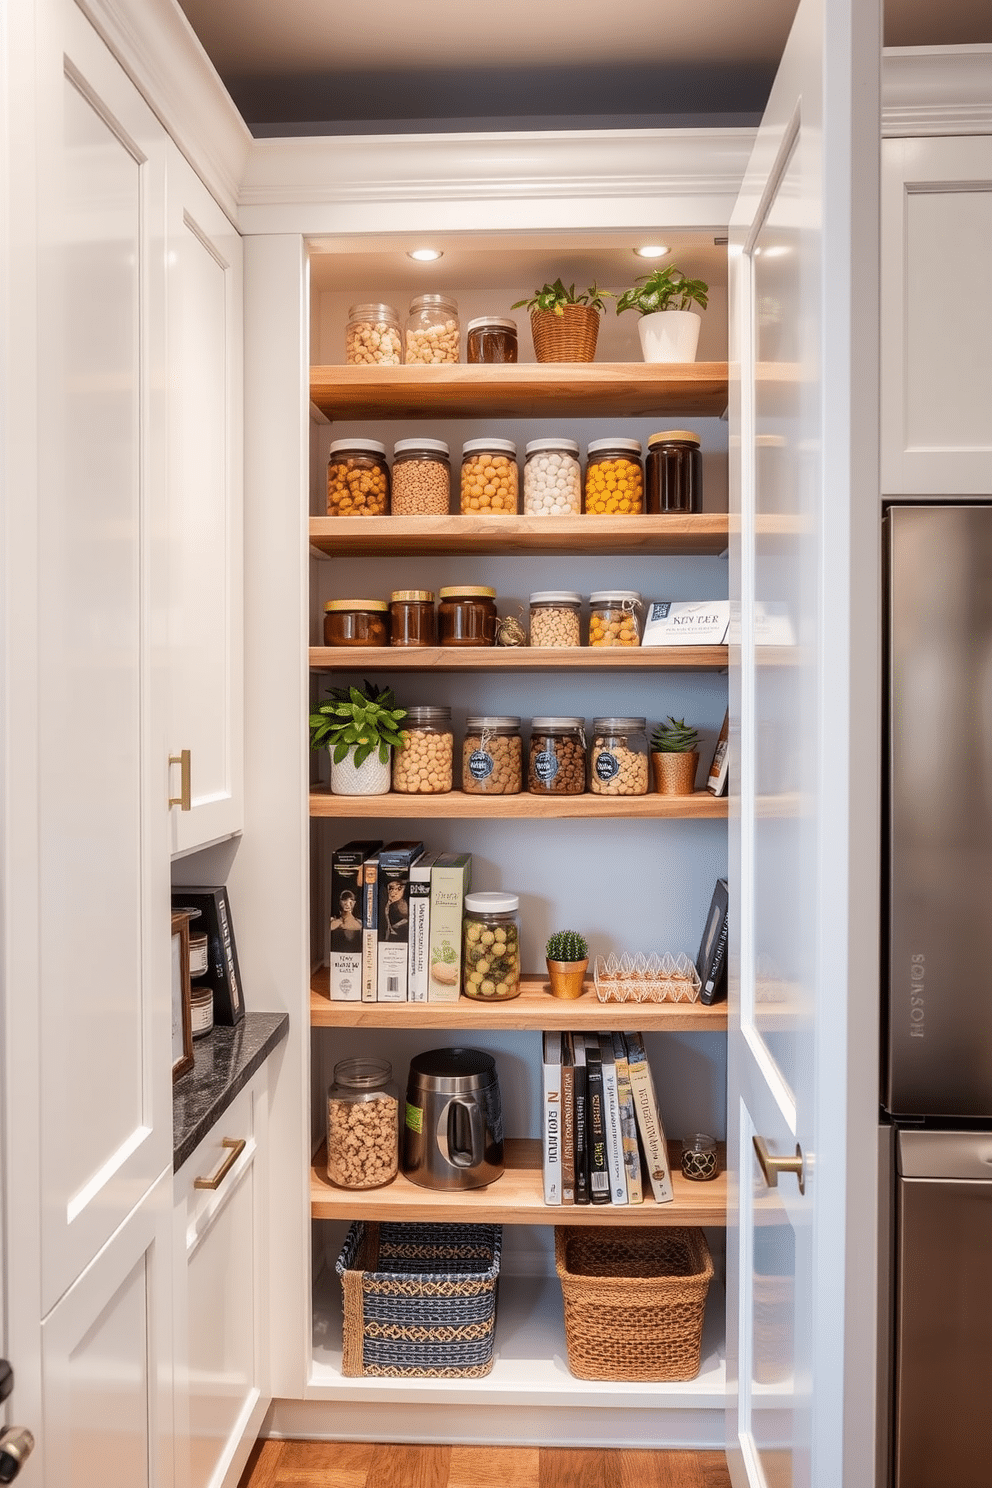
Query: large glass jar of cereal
pixel 362 1124
pixel 423 765
pixel 421 478
pixel 615 617
pixel 357 479
pixel 618 759
pixel 373 335
pixel 491 946
pixel 554 618
pixel 552 478
pixel 556 764
pixel 432 331
pixel 492 755
pixel 614 478
pixel 489 477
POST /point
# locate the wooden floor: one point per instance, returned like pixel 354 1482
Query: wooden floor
pixel 276 1464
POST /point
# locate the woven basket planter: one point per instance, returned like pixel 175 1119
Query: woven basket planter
pixel 569 337
pixel 419 1299
pixel 634 1301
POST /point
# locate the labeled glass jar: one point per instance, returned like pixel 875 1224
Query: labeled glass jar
pixel 491 946
pixel 492 756
pixel 554 618
pixel 614 478
pixel 421 478
pixel 362 1124
pixel 201 1008
pixel 432 330
pixel 491 338
pixel 556 761
pixel 373 335
pixel 489 477
pixel 357 479
pixel 615 617
pixel 552 478
pixel 356 622
pixel 199 959
pixel 412 618
pixel 673 472
pixel 618 758
pixel 466 615
pixel 423 765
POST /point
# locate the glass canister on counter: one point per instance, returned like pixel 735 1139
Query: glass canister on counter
pixel 466 615
pixel 421 478
pixel 618 757
pixel 615 617
pixel 489 478
pixel 491 946
pixel 491 338
pixel 423 765
pixel 412 618
pixel 356 622
pixel 373 335
pixel 552 478
pixel 556 761
pixel 673 472
pixel 357 479
pixel 362 1124
pixel 201 1009
pixel 492 756
pixel 554 618
pixel 614 478
pixel 432 330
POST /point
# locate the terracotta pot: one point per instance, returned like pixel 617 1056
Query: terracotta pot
pixel 675 774
pixel 567 977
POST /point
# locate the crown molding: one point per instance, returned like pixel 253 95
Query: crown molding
pixel 936 91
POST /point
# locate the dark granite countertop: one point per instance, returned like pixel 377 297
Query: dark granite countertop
pixel 224 1063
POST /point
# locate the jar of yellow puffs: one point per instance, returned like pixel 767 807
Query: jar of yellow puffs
pixel 357 479
pixel 614 478
pixel 615 618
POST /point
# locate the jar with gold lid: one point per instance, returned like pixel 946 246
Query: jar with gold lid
pixel 466 615
pixel 673 472
pixel 412 618
pixel 356 622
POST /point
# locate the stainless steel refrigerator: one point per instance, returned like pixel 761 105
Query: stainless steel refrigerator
pixel 937 978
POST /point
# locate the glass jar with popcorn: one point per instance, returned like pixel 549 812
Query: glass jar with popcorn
pixel 432 331
pixel 373 335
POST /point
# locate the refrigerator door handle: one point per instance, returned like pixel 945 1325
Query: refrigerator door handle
pixel 771 1165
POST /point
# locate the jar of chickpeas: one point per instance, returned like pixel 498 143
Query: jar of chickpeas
pixel 614 478
pixel 556 763
pixel 373 335
pixel 615 617
pixel 491 946
pixel 492 755
pixel 423 765
pixel 554 618
pixel 432 330
pixel 618 759
pixel 489 477
pixel 357 479
pixel 421 478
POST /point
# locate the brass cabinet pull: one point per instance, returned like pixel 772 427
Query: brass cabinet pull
pixel 237 1146
pixel 771 1166
pixel 184 796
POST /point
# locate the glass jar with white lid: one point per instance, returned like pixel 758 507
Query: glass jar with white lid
pixel 552 478
pixel 491 946
pixel 554 618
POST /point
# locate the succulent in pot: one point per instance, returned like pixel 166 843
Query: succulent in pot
pixel 564 321
pixel 669 327
pixel 674 757
pixel 360 728
pixel 567 955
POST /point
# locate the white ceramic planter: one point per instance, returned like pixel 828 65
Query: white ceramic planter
pixel 371 778
pixel 669 335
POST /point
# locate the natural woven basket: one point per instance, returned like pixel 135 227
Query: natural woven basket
pixel 569 337
pixel 634 1301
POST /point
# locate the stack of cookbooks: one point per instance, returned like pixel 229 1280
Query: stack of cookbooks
pixel 604 1142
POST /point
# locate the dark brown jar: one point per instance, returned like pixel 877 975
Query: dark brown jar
pixel 412 618
pixel 356 622
pixel 492 338
pixel 673 472
pixel 466 615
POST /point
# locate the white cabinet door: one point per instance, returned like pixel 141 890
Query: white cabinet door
pixel 804 519
pixel 206 621
pixel 937 317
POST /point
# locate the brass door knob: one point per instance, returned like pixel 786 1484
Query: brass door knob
pixel 771 1165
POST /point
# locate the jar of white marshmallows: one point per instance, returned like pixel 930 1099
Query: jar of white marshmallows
pixel 552 478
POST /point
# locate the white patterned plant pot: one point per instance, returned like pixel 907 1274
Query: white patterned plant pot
pixel 370 778
pixel 669 335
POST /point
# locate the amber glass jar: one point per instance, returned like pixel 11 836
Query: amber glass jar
pixel 412 618
pixel 466 615
pixel 492 338
pixel 357 479
pixel 614 478
pixel 356 622
pixel 673 472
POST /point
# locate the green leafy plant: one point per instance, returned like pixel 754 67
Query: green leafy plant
pixel 674 737
pixel 567 945
pixel 555 297
pixel 367 719
pixel 664 289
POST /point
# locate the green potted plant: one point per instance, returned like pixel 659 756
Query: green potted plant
pixel 674 757
pixel 564 321
pixel 360 728
pixel 567 954
pixel 669 327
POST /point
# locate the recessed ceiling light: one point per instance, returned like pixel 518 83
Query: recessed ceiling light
pixel 424 255
pixel 652 250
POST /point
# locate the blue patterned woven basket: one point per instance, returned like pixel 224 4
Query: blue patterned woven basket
pixel 419 1299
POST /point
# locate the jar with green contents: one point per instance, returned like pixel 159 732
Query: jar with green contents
pixel 491 946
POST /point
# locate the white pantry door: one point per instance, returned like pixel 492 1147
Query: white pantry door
pixel 803 354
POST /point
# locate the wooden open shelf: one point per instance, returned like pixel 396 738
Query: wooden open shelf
pixel 522 390
pixel 691 535
pixel 534 1009
pixel 515 1198
pixel 518 658
pixel 452 805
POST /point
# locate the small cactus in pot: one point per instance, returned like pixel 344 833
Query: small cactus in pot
pixel 674 757
pixel 567 954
